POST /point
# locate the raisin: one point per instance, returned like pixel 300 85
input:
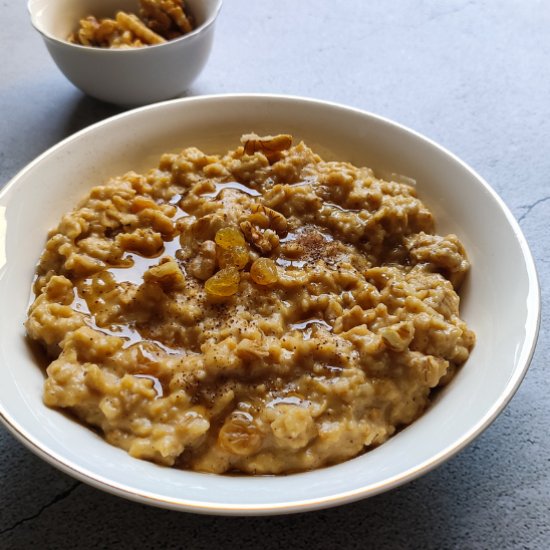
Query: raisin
pixel 264 271
pixel 229 237
pixel 240 435
pixel 236 256
pixel 224 283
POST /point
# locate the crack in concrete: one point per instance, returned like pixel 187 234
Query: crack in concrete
pixel 58 498
pixel 451 11
pixel 530 207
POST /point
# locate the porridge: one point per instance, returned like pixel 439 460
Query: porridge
pixel 261 311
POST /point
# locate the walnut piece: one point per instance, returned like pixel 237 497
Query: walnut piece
pixel 158 21
pixel 266 217
pixel 270 146
pixel 265 241
pixel 203 265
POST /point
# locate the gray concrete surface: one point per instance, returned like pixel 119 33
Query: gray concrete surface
pixel 473 75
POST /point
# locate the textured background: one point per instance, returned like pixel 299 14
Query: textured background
pixel 474 76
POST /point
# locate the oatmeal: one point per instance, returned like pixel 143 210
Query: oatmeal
pixel 261 311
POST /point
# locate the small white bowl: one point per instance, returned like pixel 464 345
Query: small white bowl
pixel 500 300
pixel 134 76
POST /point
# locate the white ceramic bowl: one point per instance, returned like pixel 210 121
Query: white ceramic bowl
pixel 131 76
pixel 500 300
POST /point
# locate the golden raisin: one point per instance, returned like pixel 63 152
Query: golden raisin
pixel 236 256
pixel 229 237
pixel 240 435
pixel 224 283
pixel 264 271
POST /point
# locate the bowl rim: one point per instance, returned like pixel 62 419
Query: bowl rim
pixel 197 31
pixel 182 504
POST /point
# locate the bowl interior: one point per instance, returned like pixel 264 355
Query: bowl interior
pixel 58 18
pixel 500 300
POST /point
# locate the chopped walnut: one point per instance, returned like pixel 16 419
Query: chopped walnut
pixel 132 23
pixel 265 217
pixel 169 18
pixel 270 146
pixel 263 227
pixel 265 241
pixel 167 274
pixel 203 265
pixel 158 21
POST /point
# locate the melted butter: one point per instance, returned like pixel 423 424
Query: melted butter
pixel 134 272
pixel 157 386
pixel 180 212
pixel 310 180
pixel 128 333
pixel 340 208
pixel 288 400
pixel 290 263
pixel 231 185
pixel 138 264
pixel 306 326
pixel 79 304
pixel 295 236
pixel 332 369
pixel 150 355
pixel 326 236
pixel 289 237
pixel 329 371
